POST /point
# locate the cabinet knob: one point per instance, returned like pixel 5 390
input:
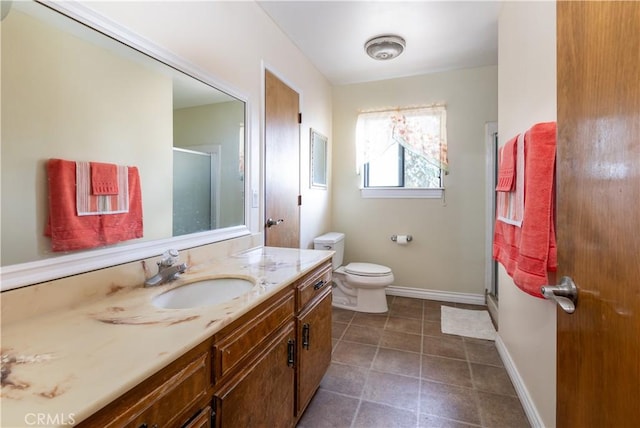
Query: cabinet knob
pixel 318 285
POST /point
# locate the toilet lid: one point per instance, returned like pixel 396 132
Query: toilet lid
pixel 367 269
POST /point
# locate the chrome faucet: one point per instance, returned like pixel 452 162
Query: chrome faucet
pixel 167 269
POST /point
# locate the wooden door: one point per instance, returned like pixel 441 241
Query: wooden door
pixel 282 163
pixel 598 176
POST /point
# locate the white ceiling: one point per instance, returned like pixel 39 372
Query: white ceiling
pixel 440 35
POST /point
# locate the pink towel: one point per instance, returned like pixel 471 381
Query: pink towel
pixel 69 231
pixel 88 203
pixel 529 253
pixel 104 178
pixel 507 167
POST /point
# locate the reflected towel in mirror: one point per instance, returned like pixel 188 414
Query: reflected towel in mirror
pixel 104 178
pixel 90 203
pixel 69 231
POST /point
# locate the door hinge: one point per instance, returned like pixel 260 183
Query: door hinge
pixel 299 118
pixel 299 200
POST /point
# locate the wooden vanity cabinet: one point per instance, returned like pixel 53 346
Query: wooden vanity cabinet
pixel 271 361
pixel 313 324
pixel 259 371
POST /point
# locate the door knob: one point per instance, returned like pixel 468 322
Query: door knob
pixel 565 294
pixel 272 222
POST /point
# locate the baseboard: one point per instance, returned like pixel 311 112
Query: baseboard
pixel 523 393
pixel 442 296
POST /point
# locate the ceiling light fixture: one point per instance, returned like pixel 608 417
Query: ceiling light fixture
pixel 385 47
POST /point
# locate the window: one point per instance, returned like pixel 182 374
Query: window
pixel 403 152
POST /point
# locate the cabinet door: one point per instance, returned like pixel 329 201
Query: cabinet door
pixel 314 348
pixel 262 394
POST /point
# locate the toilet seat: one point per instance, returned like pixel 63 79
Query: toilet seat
pixel 368 275
pixel 367 269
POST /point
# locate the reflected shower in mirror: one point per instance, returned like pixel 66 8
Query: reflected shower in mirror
pixel 73 93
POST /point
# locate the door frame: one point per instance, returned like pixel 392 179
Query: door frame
pixel 491 272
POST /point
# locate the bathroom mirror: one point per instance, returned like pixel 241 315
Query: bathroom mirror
pixel 75 93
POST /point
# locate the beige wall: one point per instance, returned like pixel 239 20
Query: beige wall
pixel 527 95
pixel 448 250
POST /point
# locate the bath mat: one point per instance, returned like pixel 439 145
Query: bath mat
pixel 468 323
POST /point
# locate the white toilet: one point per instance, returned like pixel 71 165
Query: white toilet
pixel 357 286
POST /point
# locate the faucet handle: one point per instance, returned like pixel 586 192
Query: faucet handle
pixel 169 257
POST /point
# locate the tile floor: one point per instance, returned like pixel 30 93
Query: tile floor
pixel 399 370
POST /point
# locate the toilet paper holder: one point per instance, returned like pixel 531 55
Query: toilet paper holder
pixel 394 238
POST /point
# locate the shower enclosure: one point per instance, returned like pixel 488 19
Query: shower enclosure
pixel 196 193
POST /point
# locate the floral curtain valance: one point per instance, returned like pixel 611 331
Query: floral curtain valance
pixel 421 130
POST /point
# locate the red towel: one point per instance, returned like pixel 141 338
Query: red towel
pixel 507 167
pixel 104 178
pixel 69 231
pixel 529 253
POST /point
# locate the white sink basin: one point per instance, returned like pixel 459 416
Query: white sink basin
pixel 206 292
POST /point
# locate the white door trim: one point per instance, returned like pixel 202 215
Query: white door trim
pixel 491 129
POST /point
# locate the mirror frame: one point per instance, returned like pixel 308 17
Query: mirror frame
pixel 30 273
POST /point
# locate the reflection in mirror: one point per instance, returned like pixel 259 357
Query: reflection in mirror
pixel 208 151
pixel 72 93
pixel 318 152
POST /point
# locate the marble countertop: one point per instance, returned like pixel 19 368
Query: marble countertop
pixel 69 364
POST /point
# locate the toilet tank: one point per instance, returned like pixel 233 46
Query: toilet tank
pixel 331 241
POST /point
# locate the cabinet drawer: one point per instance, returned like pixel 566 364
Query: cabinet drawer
pixel 241 341
pixel 313 284
pixel 166 405
pixel 168 399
